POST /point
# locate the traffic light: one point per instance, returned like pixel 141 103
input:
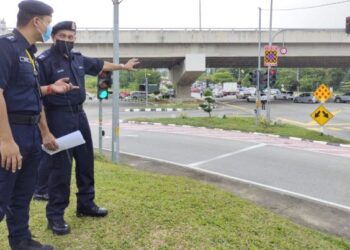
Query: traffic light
pixel 263 81
pixel 253 77
pixel 104 82
pixel 273 76
pixel 347 25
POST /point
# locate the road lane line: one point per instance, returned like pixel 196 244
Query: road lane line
pixel 196 164
pixel 268 187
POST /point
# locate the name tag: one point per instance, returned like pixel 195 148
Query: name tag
pixel 24 59
pixel 81 67
pixel 60 71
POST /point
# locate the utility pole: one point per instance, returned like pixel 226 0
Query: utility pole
pixel 115 109
pixel 268 115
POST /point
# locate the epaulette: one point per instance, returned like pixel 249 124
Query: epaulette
pixel 43 55
pixel 76 52
pixel 11 37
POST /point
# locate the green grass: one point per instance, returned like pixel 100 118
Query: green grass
pixel 247 124
pixel 151 211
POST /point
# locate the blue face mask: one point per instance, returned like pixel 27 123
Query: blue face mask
pixel 46 36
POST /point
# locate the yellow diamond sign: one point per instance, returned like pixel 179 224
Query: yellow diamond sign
pixel 322 93
pixel 321 115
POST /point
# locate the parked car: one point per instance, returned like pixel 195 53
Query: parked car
pixel 123 94
pixel 342 98
pixel 137 95
pixel 306 97
pixel 273 92
pixel 245 92
pixel 284 95
pixel 218 93
pixel 90 96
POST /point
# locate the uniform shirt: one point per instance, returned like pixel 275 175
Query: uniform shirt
pixel 54 66
pixel 17 78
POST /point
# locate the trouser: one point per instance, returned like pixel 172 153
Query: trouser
pixel 62 123
pixel 16 189
pixel 42 185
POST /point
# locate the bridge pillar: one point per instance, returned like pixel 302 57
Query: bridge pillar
pixel 186 73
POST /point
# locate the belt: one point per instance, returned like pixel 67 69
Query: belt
pixel 74 108
pixel 24 119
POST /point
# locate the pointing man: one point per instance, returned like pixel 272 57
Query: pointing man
pixel 65 114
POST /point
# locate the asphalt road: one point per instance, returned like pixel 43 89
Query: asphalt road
pixel 313 171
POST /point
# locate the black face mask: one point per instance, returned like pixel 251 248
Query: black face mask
pixel 64 47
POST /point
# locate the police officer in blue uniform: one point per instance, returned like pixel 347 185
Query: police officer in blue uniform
pixel 65 114
pixel 23 126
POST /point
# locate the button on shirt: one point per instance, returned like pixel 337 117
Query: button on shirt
pixel 21 90
pixel 54 66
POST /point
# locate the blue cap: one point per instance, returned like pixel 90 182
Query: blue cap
pixel 65 25
pixel 35 7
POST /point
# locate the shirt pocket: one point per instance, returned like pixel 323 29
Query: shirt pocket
pixel 26 75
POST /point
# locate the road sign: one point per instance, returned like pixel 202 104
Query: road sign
pixel 322 93
pixel 271 56
pixel 321 115
pixel 283 50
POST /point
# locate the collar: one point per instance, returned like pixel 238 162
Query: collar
pixel 23 43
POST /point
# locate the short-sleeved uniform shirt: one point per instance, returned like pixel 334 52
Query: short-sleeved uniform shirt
pixel 54 66
pixel 21 89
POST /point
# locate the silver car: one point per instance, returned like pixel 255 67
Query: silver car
pixel 342 98
pixel 306 97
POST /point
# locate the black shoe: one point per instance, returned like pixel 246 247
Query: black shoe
pixel 93 211
pixel 59 227
pixel 31 245
pixel 41 197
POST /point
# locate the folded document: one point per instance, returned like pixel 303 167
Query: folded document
pixel 66 142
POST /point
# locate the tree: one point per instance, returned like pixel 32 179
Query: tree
pixel 222 75
pixel 209 101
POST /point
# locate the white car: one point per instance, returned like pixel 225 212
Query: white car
pixel 284 95
pixel 245 92
pixel 342 98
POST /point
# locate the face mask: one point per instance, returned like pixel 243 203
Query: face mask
pixel 46 36
pixel 64 47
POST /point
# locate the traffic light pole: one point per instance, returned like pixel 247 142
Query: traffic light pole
pixel 115 110
pixel 100 126
pixel 268 114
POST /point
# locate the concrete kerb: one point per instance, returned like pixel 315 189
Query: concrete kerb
pixel 305 212
pixel 256 133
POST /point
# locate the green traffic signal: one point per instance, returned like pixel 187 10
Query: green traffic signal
pixel 102 94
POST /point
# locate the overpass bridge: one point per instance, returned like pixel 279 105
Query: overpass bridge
pixel 187 52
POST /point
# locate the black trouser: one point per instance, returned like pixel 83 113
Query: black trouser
pixel 16 189
pixel 63 123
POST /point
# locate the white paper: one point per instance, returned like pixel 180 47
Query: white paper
pixel 66 142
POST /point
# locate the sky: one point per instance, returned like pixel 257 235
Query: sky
pixel 185 13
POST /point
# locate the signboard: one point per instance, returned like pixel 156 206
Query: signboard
pixel 283 50
pixel 271 56
pixel 322 93
pixel 321 115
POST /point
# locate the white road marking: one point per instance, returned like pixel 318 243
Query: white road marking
pixel 271 188
pixel 196 164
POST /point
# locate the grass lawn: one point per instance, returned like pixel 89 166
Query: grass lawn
pixel 246 124
pixel 151 211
